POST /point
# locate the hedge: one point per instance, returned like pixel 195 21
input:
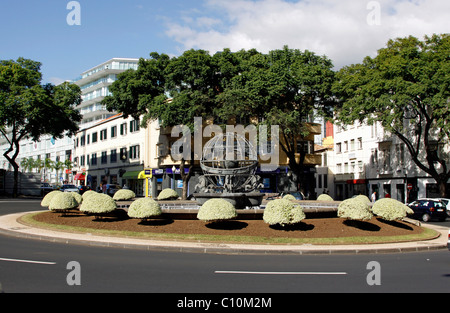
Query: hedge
pixel 167 194
pixel 354 209
pixel 144 208
pixel 63 201
pixel 48 197
pixel 98 204
pixel 282 212
pixel 324 197
pixel 390 209
pixel 216 210
pixel 124 194
pixel 289 197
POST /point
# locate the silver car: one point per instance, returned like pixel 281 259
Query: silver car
pixel 69 188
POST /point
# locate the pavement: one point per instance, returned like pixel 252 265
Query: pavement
pixel 10 225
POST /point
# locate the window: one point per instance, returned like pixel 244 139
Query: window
pixel 360 143
pixel 134 152
pixel 83 140
pixel 113 131
pixel 82 160
pixel 104 157
pixel 123 154
pixel 338 147
pixel 352 145
pixel 123 129
pixel 94 159
pixel 94 137
pixel 134 126
pixel 103 135
pixel 113 156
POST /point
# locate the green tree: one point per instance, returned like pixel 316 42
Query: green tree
pixel 284 87
pixel 30 110
pixel 406 88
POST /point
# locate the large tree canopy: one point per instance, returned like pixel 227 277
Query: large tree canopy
pixel 30 110
pixel 406 88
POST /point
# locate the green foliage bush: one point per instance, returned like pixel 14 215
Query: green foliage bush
pixel 124 194
pixel 216 210
pixel 63 201
pixel 144 208
pixel 48 197
pixel 98 204
pixel 390 209
pixel 363 198
pixel 324 197
pixel 168 194
pixel 282 212
pixel 354 209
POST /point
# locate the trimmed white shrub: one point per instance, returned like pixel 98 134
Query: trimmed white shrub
pixel 354 209
pixel 282 212
pixel 124 194
pixel 324 197
pixel 390 209
pixel 48 197
pixel 167 194
pixel 63 201
pixel 99 203
pixel 144 208
pixel 216 210
pixel 88 193
pixel 289 197
pixel 77 196
pixel 363 198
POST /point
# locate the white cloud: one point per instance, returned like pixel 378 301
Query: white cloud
pixel 336 28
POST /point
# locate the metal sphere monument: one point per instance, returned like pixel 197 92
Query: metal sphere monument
pixel 229 166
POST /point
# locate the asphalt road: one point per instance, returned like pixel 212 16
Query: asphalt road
pixel 29 266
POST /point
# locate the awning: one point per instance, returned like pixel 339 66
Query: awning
pixel 135 175
pixel 80 176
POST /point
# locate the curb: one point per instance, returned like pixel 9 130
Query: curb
pixel 9 225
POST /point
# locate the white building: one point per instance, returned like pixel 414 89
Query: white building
pixel 110 152
pixel 94 84
pixel 366 158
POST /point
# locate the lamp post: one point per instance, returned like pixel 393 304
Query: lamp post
pixel 173 179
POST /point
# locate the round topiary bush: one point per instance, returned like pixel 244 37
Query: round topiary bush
pixel 63 201
pixel 48 197
pixel 216 210
pixel 362 198
pixel 88 193
pixel 144 208
pixel 168 194
pixel 324 197
pixel 390 209
pixel 354 209
pixel 98 204
pixel 283 212
pixel 77 196
pixel 124 194
pixel 289 197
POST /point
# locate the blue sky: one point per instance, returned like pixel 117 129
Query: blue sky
pixel 344 30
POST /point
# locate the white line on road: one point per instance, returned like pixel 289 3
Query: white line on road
pixel 27 261
pixel 280 273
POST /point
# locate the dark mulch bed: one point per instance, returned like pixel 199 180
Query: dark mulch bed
pixel 308 228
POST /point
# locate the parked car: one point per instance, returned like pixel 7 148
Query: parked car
pixel 426 209
pixel 447 204
pixel 83 189
pixel 69 188
pixel 112 188
pixel 46 188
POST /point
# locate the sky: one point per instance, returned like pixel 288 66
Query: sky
pixel 345 31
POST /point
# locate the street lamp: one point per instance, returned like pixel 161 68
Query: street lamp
pixel 173 179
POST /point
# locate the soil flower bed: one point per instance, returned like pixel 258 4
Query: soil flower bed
pixel 329 230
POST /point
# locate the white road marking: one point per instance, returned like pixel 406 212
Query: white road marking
pixel 280 273
pixel 27 261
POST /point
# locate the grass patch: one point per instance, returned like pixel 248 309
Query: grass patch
pixel 426 234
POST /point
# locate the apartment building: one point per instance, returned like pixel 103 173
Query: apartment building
pixel 110 152
pixel 366 159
